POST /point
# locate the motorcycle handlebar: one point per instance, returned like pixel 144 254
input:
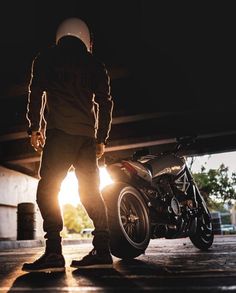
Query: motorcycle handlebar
pixel 181 142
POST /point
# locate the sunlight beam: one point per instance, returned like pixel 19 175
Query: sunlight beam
pixel 69 188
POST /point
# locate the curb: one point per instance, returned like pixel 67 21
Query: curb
pixel 14 244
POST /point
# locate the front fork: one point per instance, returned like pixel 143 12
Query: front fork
pixel 198 198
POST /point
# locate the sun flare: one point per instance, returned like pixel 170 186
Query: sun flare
pixel 69 188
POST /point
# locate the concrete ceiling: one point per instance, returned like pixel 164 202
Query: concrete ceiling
pixel 172 68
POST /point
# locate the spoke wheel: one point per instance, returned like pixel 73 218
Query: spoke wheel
pixel 133 217
pixel 128 220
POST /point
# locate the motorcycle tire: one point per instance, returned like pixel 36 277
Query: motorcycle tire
pixel 204 236
pixel 128 220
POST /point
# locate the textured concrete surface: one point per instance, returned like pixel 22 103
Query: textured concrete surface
pixel 167 266
pixel 12 244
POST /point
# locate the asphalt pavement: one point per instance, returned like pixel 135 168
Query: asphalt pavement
pixel 167 266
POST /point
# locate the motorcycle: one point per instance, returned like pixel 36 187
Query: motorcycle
pixel 155 196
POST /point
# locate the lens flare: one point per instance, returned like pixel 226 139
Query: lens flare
pixel 105 178
pixel 69 188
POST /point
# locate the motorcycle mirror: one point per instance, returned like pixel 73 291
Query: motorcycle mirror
pixel 186 140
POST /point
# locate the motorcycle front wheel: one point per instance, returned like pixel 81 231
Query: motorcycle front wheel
pixel 128 220
pixel 204 236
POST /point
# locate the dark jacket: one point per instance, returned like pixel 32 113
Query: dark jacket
pixel 71 90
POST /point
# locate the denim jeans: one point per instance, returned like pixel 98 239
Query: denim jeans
pixel 61 151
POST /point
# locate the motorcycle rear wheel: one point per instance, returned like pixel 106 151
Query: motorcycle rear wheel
pixel 128 220
pixel 204 236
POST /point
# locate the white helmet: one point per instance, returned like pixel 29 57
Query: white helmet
pixel 77 28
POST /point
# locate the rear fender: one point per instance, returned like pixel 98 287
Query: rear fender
pixel 117 173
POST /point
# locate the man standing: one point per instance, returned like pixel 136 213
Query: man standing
pixel 69 93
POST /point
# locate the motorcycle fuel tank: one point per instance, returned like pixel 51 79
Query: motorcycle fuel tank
pixel 167 164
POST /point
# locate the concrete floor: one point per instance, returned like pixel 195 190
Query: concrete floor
pixel 167 266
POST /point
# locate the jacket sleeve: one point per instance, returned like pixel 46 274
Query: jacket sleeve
pixel 36 97
pixel 105 104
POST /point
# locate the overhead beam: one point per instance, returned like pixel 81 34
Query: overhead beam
pixel 141 144
pixel 131 144
pixel 31 169
pixel 15 134
pixel 116 120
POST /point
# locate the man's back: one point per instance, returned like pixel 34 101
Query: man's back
pixel 71 77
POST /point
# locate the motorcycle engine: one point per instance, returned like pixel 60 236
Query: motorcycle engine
pixel 173 210
pixel 166 204
pixel 175 206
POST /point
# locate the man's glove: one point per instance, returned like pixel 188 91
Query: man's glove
pixel 37 140
pixel 100 149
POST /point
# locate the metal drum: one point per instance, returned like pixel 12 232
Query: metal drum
pixel 26 221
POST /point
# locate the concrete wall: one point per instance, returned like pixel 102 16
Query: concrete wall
pixel 16 188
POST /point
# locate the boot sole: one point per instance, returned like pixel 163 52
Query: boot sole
pixel 102 266
pixel 46 270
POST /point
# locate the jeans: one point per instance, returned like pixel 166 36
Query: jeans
pixel 61 151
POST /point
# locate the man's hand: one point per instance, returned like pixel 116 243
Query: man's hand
pixel 37 140
pixel 100 149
